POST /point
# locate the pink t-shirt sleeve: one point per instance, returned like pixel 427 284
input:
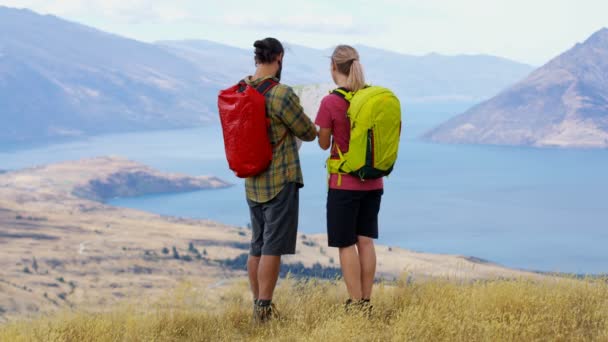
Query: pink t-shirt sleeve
pixel 323 119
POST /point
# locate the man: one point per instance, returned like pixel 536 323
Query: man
pixel 273 196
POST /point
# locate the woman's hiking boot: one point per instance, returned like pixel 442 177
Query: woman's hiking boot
pixel 359 306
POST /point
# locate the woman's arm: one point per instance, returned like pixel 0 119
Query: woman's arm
pixel 325 138
pixel 325 123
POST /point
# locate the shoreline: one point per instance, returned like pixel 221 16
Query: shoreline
pixel 472 258
pixel 58 250
pixel 7 146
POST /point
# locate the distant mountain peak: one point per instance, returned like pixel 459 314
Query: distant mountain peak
pixel 60 79
pixel 599 37
pixel 24 12
pixel 564 103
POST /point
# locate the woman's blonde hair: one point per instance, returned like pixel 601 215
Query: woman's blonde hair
pixel 346 60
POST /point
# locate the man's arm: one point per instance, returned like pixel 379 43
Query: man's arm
pixel 295 119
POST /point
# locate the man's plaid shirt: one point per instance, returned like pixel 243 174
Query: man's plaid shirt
pixel 287 120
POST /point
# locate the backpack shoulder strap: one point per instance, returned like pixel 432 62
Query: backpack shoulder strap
pixel 343 93
pixel 241 86
pixel 264 88
pixel 266 85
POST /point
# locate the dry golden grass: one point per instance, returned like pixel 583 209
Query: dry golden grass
pixel 435 310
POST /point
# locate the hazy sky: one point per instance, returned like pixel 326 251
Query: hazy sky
pixel 531 31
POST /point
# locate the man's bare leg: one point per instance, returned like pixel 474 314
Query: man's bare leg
pixel 253 264
pixel 268 275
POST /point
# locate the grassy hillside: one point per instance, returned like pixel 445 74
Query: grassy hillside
pixel 436 310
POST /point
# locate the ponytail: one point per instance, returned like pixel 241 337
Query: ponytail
pixel 356 79
pixel 346 59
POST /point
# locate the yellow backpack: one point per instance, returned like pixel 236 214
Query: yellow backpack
pixel 375 130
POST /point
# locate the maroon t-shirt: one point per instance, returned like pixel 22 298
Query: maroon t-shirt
pixel 332 115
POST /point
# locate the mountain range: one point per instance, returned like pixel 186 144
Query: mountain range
pixel 63 79
pixel 59 78
pixel 562 104
pixel 427 78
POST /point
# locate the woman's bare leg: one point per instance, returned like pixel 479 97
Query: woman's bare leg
pixel 367 260
pixel 351 271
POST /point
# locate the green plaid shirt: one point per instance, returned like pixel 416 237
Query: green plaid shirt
pixel 287 120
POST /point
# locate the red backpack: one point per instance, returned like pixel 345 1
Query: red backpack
pixel 245 125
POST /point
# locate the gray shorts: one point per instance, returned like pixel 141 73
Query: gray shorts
pixel 274 224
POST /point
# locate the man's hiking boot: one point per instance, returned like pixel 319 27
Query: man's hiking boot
pixel 264 310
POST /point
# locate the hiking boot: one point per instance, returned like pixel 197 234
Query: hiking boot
pixel 362 305
pixel 366 307
pixel 264 311
pixel 348 305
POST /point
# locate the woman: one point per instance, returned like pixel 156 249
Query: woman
pixel 352 204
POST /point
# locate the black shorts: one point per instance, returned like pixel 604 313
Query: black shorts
pixel 351 214
pixel 274 224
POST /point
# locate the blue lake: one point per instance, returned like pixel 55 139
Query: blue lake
pixel 538 209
